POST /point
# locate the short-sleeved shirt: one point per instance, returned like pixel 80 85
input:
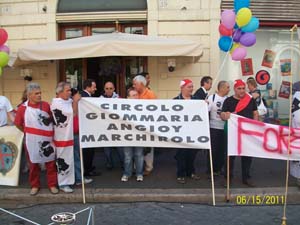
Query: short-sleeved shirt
pixel 147 94
pixel 230 104
pixel 215 103
pixel 20 116
pixel 5 107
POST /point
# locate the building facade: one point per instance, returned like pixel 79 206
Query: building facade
pixel 39 21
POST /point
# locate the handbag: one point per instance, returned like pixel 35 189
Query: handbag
pixel 261 108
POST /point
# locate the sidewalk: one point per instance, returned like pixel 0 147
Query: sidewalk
pixel 161 185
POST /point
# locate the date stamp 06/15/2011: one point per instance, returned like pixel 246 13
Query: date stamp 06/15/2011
pixel 260 199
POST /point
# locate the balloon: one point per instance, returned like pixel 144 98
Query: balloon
pixel 4 58
pixel 234 46
pixel 225 43
pixel 224 31
pixel 4 48
pixel 239 54
pixel 237 35
pixel 238 4
pixel 252 25
pixel 228 18
pixel 248 39
pixel 243 17
pixel 3 36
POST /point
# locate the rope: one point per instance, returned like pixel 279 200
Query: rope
pixel 289 134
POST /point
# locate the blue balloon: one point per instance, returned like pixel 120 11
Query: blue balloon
pixel 252 25
pixel 238 4
pixel 225 43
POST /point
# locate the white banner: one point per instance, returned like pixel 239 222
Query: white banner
pixel 146 123
pixel 248 137
pixel 11 140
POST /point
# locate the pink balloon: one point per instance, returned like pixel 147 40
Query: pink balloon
pixel 224 31
pixel 4 48
pixel 239 54
pixel 3 36
pixel 228 18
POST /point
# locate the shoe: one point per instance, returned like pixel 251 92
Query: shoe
pixel 34 191
pixel 86 181
pixel 92 174
pixel 124 178
pixel 195 177
pixel 181 180
pixel 147 172
pixel 139 178
pixel 53 190
pixel 66 189
pixel 248 183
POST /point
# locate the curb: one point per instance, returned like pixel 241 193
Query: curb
pixel 15 198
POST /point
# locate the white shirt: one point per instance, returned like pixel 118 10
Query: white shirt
pixel 215 108
pixel 5 107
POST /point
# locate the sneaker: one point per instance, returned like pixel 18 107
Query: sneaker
pixel 124 178
pixel 53 190
pixel 86 181
pixel 181 180
pixel 66 189
pixel 195 176
pixel 139 178
pixel 34 191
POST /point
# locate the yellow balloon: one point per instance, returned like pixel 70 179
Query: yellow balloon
pixel 243 17
pixel 234 46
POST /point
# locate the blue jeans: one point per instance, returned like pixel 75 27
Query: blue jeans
pixel 109 157
pixel 77 159
pixel 138 154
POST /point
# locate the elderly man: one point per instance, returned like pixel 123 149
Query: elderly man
pixel 217 135
pixel 186 157
pixel 241 103
pixel 109 92
pixel 6 110
pixel 62 110
pixel 140 85
pixel 35 119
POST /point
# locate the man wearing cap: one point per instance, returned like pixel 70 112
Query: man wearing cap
pixel 185 156
pixel 241 103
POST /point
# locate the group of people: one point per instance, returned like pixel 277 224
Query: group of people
pixel 52 132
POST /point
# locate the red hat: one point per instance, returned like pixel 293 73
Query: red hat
pixel 185 82
pixel 238 83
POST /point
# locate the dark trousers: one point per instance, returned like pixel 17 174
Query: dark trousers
pixel 185 162
pixel 88 157
pixel 218 148
pixel 246 165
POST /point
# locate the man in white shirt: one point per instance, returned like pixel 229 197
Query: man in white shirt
pixel 6 110
pixel 217 135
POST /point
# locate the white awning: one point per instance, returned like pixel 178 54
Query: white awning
pixel 113 44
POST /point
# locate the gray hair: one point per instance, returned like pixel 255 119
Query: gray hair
pixel 61 86
pixel 32 86
pixel 140 79
pixel 221 84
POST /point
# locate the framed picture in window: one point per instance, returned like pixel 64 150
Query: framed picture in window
pixel 247 67
pixel 268 59
pixel 285 67
pixel 284 91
